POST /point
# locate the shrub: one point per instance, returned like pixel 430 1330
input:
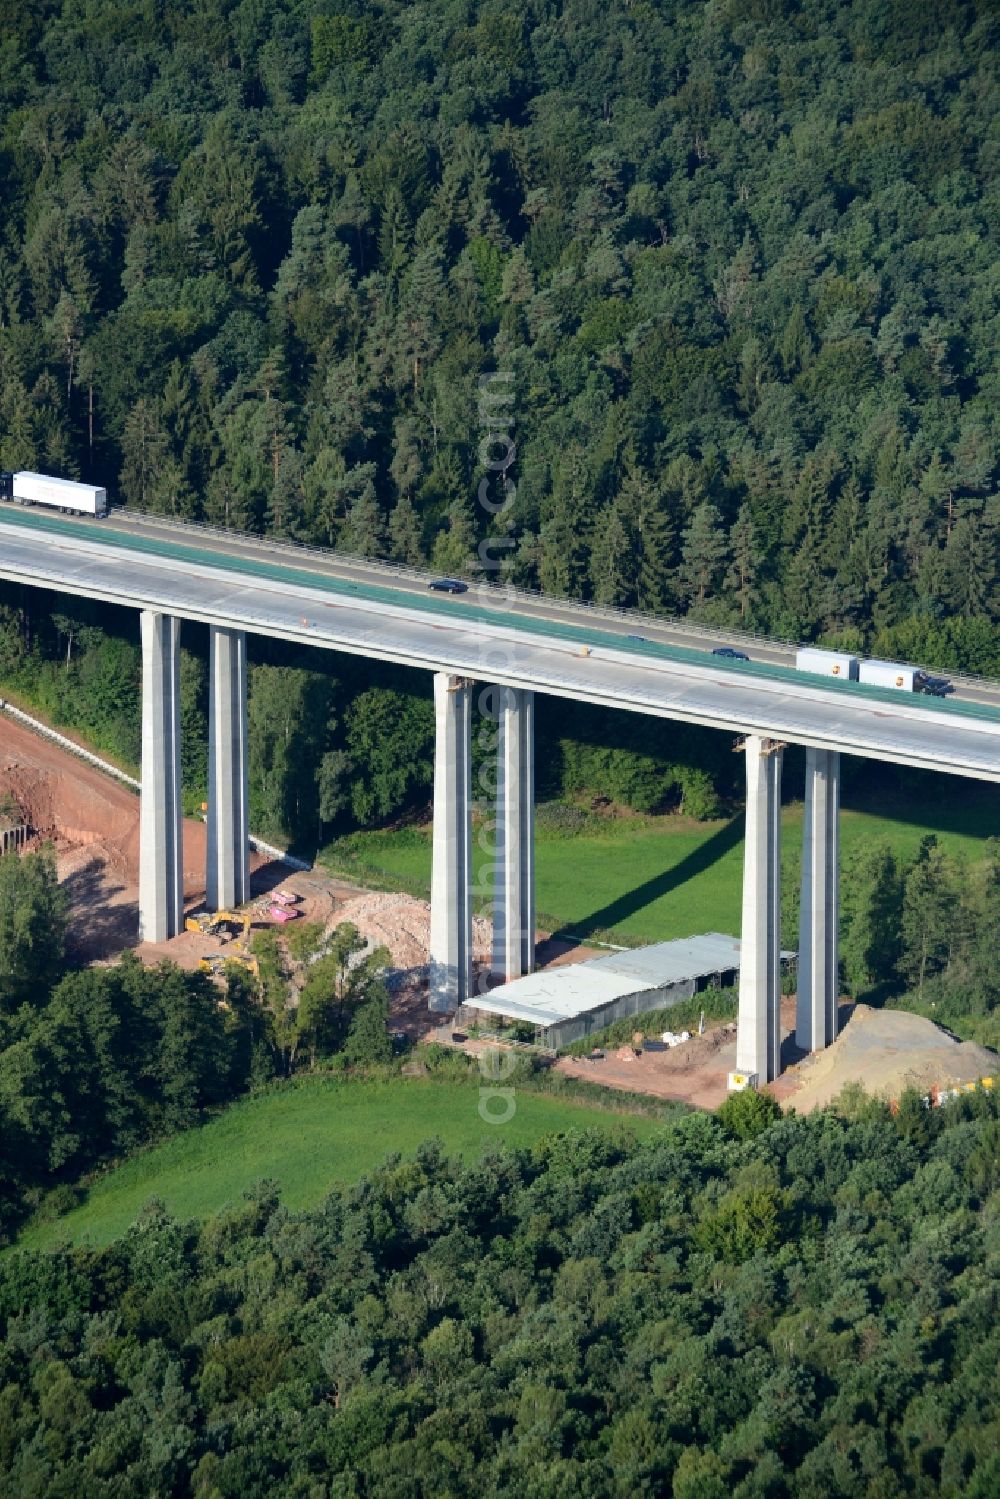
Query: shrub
pixel 747 1115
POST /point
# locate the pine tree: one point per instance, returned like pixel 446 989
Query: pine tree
pixel 226 503
pixel 323 497
pixel 873 898
pixel 405 468
pixel 796 344
pixel 363 533
pixel 567 532
pixel 613 560
pixel 144 453
pixel 405 533
pixel 971 564
pixel 517 288
pixel 18 446
pixel 741 578
pixel 170 493
pixel 927 920
pixel 184 422
pixel 285 501
pixel 845 543
pixel 562 552
pixel 656 588
pixel 455 547
pixel 368 1042
pixel 66 331
pixel 655 539
pixel 753 373
pixel 704 552
pixel 937 498
pixel 975 457
pixel 394 233
pixel 418 337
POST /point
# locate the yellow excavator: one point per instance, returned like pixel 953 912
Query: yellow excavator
pixel 208 923
pixel 215 963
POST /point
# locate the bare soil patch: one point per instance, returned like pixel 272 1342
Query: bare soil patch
pixel 92 822
pixel 888 1051
pixel 696 1072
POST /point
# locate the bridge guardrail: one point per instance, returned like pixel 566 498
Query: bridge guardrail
pixel 44 729
pixel 586 607
pixel 378 565
pixel 71 745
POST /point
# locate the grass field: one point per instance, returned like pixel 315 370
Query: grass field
pixel 309 1138
pixel 656 878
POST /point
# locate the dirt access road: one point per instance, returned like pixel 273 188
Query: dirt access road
pixel 93 823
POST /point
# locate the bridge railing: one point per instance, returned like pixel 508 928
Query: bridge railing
pixel 38 727
pixel 377 566
pixel 585 607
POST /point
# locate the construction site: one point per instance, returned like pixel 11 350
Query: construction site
pixel 91 820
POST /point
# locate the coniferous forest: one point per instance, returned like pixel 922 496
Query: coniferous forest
pixel 739 259
pixel 736 266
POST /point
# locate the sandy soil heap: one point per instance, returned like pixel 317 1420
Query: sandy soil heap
pixel 403 925
pixel 887 1051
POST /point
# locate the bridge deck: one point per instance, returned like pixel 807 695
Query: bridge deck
pixel 484 638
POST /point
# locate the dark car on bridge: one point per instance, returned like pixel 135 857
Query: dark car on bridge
pixel 730 653
pixel 448 585
pixel 935 686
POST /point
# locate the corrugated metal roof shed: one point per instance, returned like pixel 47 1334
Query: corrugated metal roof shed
pixel 557 994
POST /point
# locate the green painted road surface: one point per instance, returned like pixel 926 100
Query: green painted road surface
pixel 310 1138
pixel 460 612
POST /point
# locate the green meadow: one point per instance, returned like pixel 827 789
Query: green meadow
pixel 309 1138
pixel 650 879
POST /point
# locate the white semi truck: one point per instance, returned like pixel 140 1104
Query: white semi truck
pixel 891 674
pixel 895 674
pixel 827 663
pixel 67 495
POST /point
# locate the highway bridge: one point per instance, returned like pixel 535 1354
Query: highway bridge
pixel 506 640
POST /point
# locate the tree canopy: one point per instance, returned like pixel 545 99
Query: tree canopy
pixel 800 1309
pixel 737 260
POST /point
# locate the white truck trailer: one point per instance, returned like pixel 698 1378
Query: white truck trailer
pixel 55 494
pixel 827 663
pixel 891 674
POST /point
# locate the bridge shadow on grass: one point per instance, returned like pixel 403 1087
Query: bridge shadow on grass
pixel 633 901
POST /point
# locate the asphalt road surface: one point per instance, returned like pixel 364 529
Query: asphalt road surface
pixel 510 605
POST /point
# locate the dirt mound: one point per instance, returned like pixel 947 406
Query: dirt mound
pixel 887 1051
pixel 403 925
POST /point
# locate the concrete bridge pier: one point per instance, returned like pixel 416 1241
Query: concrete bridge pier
pixel 451 869
pixel 161 878
pixel 228 875
pixel 816 1006
pixel 758 1039
pixel 514 891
